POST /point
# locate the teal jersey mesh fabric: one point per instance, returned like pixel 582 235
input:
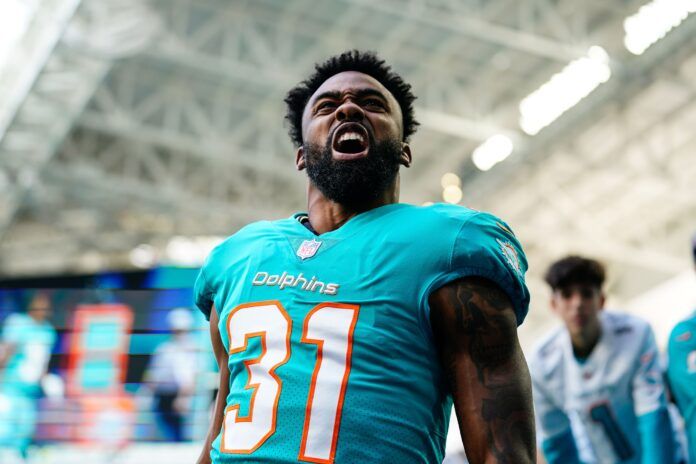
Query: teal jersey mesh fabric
pixel 331 355
pixel 681 372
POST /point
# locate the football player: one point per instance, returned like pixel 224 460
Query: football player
pixel 681 371
pixel 598 389
pixel 345 333
pixel 25 350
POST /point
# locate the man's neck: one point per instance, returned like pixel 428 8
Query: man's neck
pixel 584 343
pixel 326 215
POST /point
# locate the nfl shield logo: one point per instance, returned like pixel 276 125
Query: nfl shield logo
pixel 308 249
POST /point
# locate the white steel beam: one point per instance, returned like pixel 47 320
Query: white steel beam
pixel 59 77
pixel 177 47
pixel 476 28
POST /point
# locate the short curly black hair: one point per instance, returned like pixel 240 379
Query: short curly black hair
pixel 354 60
pixel 575 270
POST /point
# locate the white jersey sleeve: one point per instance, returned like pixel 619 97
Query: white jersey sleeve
pixel 551 419
pixel 546 369
pixel 555 434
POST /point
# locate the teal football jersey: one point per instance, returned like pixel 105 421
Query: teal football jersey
pixel 681 372
pixel 20 380
pixel 331 356
pixel 32 342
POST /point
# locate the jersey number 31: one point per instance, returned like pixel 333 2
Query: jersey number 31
pixel 330 327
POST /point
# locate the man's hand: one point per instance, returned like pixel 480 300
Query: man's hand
pixel 475 330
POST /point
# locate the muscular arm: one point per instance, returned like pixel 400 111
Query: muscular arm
pixel 224 388
pixel 475 330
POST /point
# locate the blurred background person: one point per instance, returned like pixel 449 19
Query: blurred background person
pixel 25 349
pixel 172 375
pixel 681 371
pixel 598 390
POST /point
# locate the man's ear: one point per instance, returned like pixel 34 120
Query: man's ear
pixel 405 159
pixel 299 158
pixel 552 303
pixel 602 300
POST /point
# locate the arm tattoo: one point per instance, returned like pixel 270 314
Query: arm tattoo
pixel 476 331
pixel 489 333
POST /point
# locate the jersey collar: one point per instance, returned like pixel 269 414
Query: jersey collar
pixel 351 226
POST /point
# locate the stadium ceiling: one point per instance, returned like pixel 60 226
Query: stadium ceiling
pixel 127 122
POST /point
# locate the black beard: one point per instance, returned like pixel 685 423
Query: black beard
pixel 356 182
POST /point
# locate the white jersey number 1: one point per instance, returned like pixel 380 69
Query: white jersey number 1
pixel 330 327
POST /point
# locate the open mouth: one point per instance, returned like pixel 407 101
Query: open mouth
pixel 350 141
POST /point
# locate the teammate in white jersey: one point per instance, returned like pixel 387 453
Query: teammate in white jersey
pixel 598 391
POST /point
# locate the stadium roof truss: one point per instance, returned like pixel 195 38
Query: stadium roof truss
pixel 130 121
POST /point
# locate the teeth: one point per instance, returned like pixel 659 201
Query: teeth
pixel 351 136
